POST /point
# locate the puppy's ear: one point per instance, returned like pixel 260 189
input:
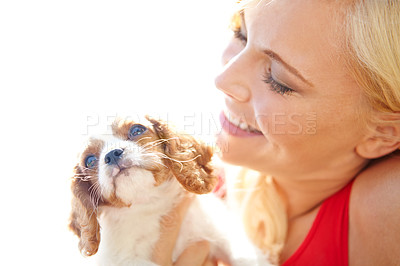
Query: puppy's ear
pixel 83 219
pixel 188 158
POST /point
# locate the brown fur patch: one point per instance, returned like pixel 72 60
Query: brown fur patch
pixel 83 219
pixel 188 159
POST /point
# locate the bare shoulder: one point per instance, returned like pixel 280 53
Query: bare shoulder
pixel 381 177
pixel 374 233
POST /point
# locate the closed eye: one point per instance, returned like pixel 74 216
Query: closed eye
pixel 276 86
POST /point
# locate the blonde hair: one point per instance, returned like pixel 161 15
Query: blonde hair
pixel 262 210
pixel 373 39
pixel 373 52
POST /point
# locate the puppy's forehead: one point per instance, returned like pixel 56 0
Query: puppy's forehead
pixel 120 131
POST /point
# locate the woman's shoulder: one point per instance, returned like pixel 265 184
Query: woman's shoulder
pixel 380 180
pixel 375 213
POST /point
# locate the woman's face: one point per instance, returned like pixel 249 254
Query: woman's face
pixel 285 77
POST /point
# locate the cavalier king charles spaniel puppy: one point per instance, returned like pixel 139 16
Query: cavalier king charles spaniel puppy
pixel 126 182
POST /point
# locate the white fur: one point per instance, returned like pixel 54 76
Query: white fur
pixel 134 185
pixel 129 234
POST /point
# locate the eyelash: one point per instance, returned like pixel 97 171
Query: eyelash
pixel 277 87
pixel 238 35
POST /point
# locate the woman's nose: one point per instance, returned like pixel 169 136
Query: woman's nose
pixel 233 79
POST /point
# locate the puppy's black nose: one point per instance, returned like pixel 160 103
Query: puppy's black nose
pixel 113 156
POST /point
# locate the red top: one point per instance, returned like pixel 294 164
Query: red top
pixel 327 241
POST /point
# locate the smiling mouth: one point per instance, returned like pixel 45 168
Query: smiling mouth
pixel 237 126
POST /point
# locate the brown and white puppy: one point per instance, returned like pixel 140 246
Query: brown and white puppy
pixel 125 183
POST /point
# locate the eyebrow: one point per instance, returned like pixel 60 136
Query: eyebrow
pixel 242 18
pixel 291 69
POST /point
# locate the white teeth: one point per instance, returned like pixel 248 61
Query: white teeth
pixel 234 120
pixel 244 126
pixel 237 121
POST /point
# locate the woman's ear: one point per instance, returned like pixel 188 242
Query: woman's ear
pixel 187 158
pixel 382 140
pixel 83 219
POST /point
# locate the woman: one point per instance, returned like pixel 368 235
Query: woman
pixel 312 94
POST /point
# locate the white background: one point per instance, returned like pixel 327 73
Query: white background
pixel 67 68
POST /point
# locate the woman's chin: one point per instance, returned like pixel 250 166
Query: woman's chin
pixel 234 150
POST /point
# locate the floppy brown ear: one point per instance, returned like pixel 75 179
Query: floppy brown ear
pixel 188 159
pixel 83 219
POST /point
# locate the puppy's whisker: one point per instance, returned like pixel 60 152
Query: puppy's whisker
pixel 83 177
pixel 158 142
pixel 95 194
pixel 93 186
pixel 153 157
pixel 143 139
pixel 160 163
pixel 93 212
pixel 150 145
pixel 179 161
pixel 97 200
pixel 90 169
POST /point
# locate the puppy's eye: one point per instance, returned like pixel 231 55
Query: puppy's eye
pixel 91 161
pixel 136 130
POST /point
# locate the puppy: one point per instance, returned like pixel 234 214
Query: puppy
pixel 125 183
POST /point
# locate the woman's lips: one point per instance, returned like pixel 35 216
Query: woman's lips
pixel 234 130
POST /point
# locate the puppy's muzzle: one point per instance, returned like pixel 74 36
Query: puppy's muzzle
pixel 113 156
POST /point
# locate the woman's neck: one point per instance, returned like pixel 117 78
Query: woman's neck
pixel 303 194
